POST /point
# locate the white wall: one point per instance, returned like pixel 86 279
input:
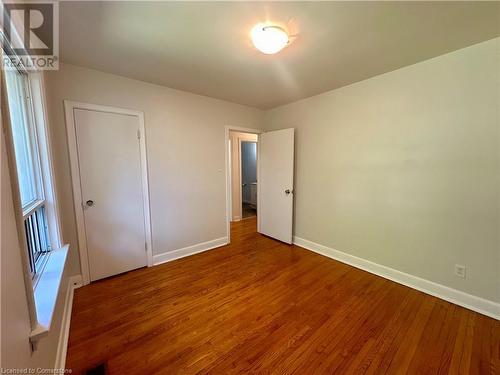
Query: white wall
pixel 403 169
pixel 185 150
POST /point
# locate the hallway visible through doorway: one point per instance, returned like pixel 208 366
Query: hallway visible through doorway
pixel 243 175
pixel 248 178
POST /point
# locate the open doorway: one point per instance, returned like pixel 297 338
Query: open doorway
pixel 243 174
pixel 273 182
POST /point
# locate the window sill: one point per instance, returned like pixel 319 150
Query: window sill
pixel 47 290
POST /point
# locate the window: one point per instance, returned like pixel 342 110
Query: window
pixel 30 160
pixel 27 160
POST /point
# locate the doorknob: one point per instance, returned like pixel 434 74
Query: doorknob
pixel 89 203
pixel 287 191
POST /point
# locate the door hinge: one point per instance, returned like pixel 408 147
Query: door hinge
pixel 138 134
pixel 146 247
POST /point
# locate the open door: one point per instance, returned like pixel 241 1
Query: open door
pixel 275 208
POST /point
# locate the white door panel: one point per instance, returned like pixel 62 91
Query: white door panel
pixel 112 194
pixel 276 158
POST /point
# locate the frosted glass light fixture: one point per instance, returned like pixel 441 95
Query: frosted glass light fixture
pixel 269 39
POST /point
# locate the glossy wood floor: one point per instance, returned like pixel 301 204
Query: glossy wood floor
pixel 259 306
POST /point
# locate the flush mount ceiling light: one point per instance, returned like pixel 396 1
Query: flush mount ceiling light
pixel 269 39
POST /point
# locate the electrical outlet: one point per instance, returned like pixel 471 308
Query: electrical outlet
pixel 460 271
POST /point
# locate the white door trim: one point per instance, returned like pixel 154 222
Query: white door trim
pixel 227 165
pixel 69 107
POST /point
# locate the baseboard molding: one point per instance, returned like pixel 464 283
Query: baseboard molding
pixel 480 305
pixel 190 250
pixel 62 346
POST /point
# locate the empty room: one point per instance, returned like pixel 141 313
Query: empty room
pixel 250 187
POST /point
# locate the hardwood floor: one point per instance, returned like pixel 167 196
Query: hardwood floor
pixel 259 306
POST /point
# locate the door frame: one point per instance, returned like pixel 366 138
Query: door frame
pixel 227 165
pixel 69 107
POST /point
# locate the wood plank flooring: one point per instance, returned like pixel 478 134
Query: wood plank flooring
pixel 259 306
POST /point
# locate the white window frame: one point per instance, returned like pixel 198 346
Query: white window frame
pixel 41 291
pixel 41 163
pixel 40 121
pixel 32 142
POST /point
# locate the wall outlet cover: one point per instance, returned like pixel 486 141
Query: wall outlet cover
pixel 460 271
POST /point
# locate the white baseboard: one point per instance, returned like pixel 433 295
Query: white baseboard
pixel 62 346
pixel 457 297
pixel 190 250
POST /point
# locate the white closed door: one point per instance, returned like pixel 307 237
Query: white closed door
pixel 109 159
pixel 275 196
